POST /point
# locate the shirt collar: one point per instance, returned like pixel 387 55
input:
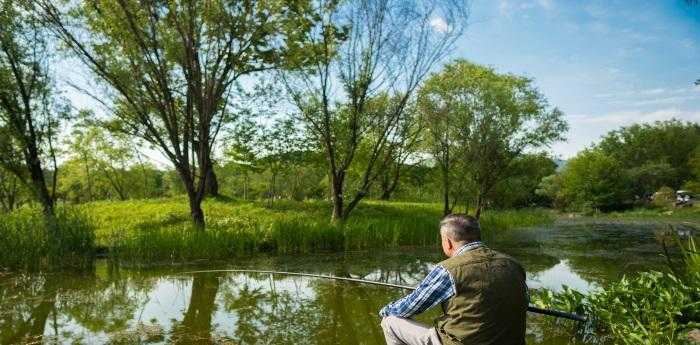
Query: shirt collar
pixel 469 246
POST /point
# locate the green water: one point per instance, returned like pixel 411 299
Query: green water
pixel 129 305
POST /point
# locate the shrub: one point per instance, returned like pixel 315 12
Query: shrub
pixel 650 308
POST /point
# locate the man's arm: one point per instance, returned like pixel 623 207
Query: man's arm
pixel 435 288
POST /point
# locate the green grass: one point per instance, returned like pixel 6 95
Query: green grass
pixel 662 213
pixel 156 230
pixel 159 230
pixel 25 241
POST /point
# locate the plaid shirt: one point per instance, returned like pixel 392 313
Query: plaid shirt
pixel 437 287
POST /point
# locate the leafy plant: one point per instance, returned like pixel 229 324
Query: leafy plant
pixel 650 308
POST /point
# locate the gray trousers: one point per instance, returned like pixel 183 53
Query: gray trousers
pixel 401 331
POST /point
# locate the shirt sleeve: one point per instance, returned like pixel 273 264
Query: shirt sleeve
pixel 435 288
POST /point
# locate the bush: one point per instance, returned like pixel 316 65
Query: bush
pixel 26 242
pixel 650 308
pixel 664 197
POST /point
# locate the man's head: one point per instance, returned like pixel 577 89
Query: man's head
pixel 457 230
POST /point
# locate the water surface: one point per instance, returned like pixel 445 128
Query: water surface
pixel 128 305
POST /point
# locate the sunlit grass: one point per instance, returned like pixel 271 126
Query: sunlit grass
pixel 159 230
pixel 151 230
pixel 25 241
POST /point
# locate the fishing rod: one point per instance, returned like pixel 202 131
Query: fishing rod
pixel 530 308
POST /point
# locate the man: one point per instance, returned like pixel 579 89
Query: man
pixel 483 295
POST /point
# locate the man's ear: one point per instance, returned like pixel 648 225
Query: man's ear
pixel 450 244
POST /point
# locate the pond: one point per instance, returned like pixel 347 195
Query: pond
pixel 129 305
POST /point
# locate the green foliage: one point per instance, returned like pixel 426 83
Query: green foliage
pixel 594 180
pixel 665 196
pixel 25 241
pixel 519 189
pixel 478 122
pixel 666 146
pixel 100 165
pixel 650 308
pixel 157 230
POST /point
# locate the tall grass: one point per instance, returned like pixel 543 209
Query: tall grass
pixel 154 230
pixel 159 230
pixel 25 241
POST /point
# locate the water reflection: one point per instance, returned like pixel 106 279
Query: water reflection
pixel 117 305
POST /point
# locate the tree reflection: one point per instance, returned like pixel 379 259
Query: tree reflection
pixel 24 319
pixel 196 325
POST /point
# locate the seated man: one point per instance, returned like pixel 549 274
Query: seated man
pixel 483 294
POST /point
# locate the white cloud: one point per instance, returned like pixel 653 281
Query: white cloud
pixel 613 120
pixel 586 130
pixel 655 96
pixel 505 8
pixel 546 4
pixel 438 24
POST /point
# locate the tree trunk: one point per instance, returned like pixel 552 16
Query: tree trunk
pixel 446 193
pixel 479 205
pixel 194 198
pixel 196 211
pixel 389 185
pixel 212 183
pixel 36 174
pixel 337 198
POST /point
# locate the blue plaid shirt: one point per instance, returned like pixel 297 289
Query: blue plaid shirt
pixel 437 287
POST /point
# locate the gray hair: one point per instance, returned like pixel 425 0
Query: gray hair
pixel 460 227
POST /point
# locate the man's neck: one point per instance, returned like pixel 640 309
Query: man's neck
pixel 461 248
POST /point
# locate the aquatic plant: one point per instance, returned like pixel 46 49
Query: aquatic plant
pixel 649 308
pixel 26 242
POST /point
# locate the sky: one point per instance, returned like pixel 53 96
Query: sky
pixel 606 64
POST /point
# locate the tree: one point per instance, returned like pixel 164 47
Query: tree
pixel 519 188
pixel 170 65
pixel 400 147
pixel 29 113
pixel 110 165
pixel 654 155
pixel 594 180
pixel 365 48
pixel 482 121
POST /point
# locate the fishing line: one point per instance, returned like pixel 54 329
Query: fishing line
pixel 530 308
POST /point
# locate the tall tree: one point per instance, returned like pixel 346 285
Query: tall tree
pixel 654 154
pixel 29 114
pixel 485 121
pixel 169 66
pixel 364 48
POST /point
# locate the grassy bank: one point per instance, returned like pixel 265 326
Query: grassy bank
pixel 648 213
pixel 159 230
pixel 26 242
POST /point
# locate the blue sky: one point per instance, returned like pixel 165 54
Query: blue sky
pixel 606 64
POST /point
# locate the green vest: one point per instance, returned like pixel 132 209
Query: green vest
pixel 490 303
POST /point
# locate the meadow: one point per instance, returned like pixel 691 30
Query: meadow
pixel 153 231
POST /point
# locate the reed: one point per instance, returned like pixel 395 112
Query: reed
pixel 159 230
pixel 26 242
